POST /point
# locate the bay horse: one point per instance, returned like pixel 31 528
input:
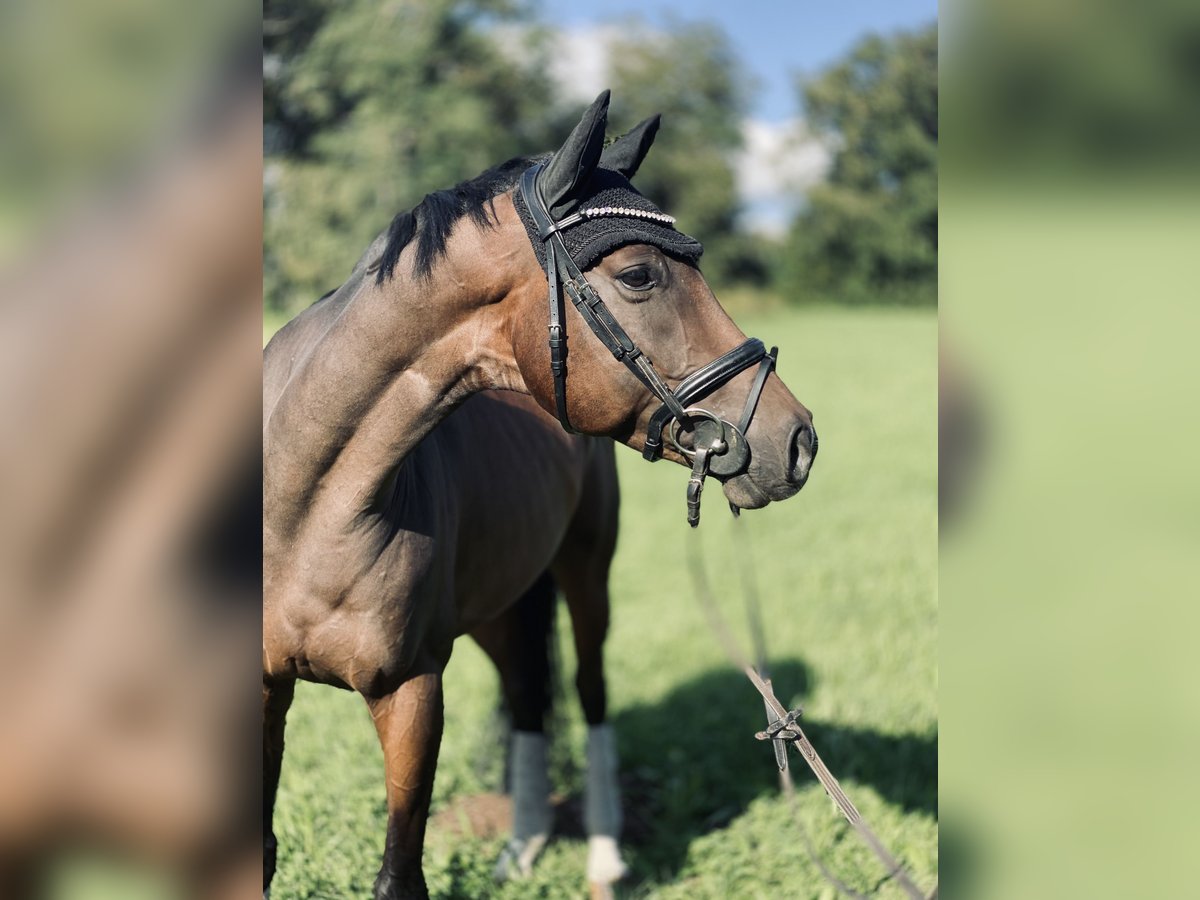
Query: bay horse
pixel 370 571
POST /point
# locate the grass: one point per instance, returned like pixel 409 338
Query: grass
pixel 848 576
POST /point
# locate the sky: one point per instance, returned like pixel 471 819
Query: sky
pixel 776 42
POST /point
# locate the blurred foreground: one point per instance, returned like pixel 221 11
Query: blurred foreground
pixel 129 466
pixel 1070 226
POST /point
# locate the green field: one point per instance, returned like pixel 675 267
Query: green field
pixel 848 573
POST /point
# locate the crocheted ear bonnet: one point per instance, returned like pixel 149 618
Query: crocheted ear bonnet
pixel 616 215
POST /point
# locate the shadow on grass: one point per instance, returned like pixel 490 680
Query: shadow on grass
pixel 690 763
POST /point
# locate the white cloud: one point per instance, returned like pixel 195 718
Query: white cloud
pixel 778 162
pixel 579 63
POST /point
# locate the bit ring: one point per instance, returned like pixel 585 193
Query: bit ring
pixel 676 427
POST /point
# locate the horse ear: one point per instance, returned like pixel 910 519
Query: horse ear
pixel 626 153
pixel 570 167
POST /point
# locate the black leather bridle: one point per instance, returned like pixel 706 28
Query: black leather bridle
pixel 717 447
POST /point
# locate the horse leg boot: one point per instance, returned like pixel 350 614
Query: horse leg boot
pixel 533 817
pixel 277 698
pixel 518 643
pixel 602 817
pixel 602 797
pixel 409 724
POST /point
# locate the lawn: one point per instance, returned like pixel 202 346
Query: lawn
pixel 848 574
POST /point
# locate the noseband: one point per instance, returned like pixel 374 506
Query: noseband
pixel 716 446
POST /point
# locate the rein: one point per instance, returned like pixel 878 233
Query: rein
pixel 718 447
pixel 783 726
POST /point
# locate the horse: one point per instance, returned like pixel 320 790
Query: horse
pixel 369 570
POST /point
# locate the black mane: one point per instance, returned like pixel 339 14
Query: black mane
pixel 432 220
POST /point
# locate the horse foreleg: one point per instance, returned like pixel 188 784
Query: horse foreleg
pixel 409 723
pixel 277 698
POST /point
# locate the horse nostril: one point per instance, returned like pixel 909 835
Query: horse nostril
pixel 801 453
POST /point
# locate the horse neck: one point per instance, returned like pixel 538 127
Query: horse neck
pixel 371 372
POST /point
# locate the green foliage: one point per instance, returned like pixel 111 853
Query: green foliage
pixel 693 78
pixel 847 572
pixel 86 88
pixel 370 106
pixel 1044 91
pixel 869 234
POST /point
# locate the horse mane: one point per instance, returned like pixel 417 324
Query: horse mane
pixel 432 220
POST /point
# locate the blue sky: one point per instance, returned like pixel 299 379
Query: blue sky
pixel 775 40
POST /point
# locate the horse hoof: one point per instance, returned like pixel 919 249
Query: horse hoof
pixel 600 890
pixel 517 858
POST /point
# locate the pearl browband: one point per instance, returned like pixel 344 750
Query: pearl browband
pixel 626 212
pixel 549 226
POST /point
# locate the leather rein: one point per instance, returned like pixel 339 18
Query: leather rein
pixel 718 447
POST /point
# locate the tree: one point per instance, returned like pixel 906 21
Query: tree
pixel 692 76
pixel 869 233
pixel 369 106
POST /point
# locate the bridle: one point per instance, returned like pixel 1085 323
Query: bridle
pixel 717 447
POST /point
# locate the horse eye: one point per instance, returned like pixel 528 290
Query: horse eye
pixel 638 279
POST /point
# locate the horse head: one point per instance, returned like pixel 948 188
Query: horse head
pixel 654 361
